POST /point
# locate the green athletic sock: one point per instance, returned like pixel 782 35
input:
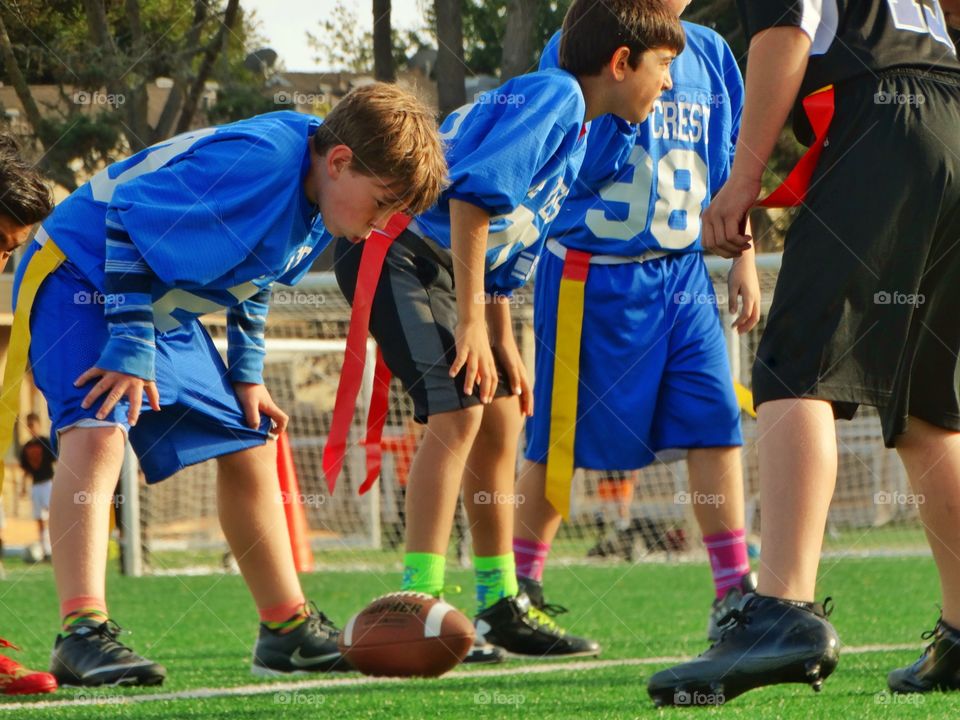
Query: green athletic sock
pixel 423 572
pixel 83 616
pixel 496 579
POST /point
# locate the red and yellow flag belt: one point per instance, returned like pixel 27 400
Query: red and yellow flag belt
pixel 47 259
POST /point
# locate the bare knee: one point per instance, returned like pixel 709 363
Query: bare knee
pixel 922 437
pixel 501 426
pixel 456 429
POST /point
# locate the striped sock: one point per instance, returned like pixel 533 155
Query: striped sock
pixel 423 572
pixel 83 610
pixel 496 579
pixel 728 559
pixel 285 617
pixel 530 557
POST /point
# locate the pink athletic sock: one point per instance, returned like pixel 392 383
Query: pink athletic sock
pixel 728 559
pixel 530 558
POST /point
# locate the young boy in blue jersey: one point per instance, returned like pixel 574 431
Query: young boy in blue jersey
pixel 441 312
pixel 122 271
pixel 650 371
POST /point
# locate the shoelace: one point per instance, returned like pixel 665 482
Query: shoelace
pixel 108 632
pixel 542 619
pixel 553 610
pixel 319 622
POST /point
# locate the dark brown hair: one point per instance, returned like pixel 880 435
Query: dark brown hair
pixel 392 135
pixel 24 196
pixel 594 29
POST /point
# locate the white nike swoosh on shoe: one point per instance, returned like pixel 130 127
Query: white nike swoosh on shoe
pixel 111 668
pixel 298 660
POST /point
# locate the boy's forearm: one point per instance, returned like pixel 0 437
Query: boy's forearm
pixel 246 344
pixel 499 321
pixel 469 226
pixel 777 62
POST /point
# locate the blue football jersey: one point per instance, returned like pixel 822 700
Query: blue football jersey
pixel 514 152
pixel 644 187
pixel 217 214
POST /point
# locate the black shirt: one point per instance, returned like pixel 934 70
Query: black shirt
pixel 36 459
pixel 859 37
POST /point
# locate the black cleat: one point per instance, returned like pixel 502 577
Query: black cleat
pixel 520 629
pixel 310 648
pixel 765 641
pixel 722 606
pixel 483 653
pixel 938 667
pixel 90 655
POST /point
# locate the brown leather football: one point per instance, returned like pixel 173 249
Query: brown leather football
pixel 407 634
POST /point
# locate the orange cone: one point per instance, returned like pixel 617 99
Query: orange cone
pixel 293 506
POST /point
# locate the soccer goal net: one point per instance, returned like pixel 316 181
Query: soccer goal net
pixel 633 516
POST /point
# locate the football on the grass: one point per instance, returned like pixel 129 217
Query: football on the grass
pixel 407 634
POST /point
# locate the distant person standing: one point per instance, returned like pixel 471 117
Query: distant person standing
pixel 36 461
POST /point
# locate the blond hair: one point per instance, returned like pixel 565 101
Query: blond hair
pixel 393 136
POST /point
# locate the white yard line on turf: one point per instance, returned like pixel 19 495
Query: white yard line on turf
pixel 104 696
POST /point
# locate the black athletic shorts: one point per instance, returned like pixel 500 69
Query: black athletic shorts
pixel 413 319
pixel 867 304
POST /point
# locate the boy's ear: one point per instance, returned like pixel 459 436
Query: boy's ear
pixel 338 159
pixel 619 63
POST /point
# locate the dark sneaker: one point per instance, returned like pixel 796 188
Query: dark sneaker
pixel 533 589
pixel 938 667
pixel 310 648
pixel 765 641
pixel 723 606
pixel 517 627
pixel 91 655
pixel 483 653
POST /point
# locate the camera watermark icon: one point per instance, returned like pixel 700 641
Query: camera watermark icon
pixel 286 297
pixel 685 697
pixel 299 498
pixel 898 298
pixel 294 97
pixel 898 98
pixel 885 697
pixel 85 497
pixel 496 697
pixel 84 97
pixel 495 97
pixel 482 497
pixel 305 699
pixel 82 297
pixel 696 298
pixel 898 498
pixel 699 498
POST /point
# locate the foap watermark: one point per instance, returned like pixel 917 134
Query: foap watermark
pixel 85 97
pixel 299 498
pixel 82 297
pixel 293 97
pixel 898 498
pixel 482 497
pixel 304 699
pixel 496 697
pixel 696 298
pixel 701 97
pixel 685 697
pixel 286 297
pixel 498 299
pixel 898 298
pixel 882 97
pixel 494 97
pixel 699 498
pixel 885 697
pixel 85 497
